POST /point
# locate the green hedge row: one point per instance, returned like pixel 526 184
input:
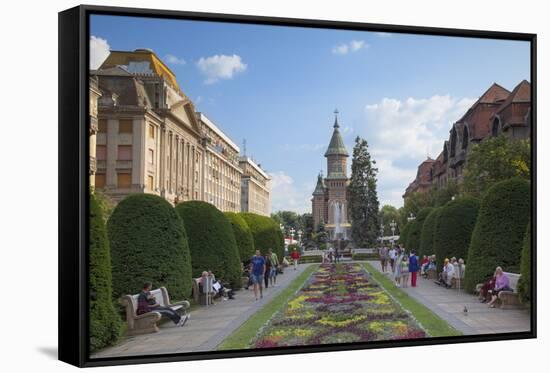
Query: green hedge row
pixel 427 233
pixel 412 241
pixel 149 243
pixel 243 235
pixel 105 323
pixel 453 231
pixel 266 232
pixel 212 241
pixel 497 239
pixel 524 284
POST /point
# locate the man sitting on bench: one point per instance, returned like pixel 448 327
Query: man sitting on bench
pixel 147 303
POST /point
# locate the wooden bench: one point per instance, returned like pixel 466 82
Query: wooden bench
pixel 510 299
pixel 506 299
pixel 457 282
pixel 147 322
pixel 206 298
pixel 431 274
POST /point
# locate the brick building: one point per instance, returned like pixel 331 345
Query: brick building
pixel 497 111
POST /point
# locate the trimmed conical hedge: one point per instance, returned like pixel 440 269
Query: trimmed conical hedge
pixel 105 323
pixel 427 233
pixel 212 242
pixel 404 233
pixel 497 239
pixel 414 229
pixel 149 243
pixel 453 231
pixel 266 232
pixel 243 235
pixel 524 284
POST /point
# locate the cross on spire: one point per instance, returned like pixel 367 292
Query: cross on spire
pixel 336 112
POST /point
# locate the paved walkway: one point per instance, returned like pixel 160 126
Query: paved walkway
pixel 207 327
pixel 449 305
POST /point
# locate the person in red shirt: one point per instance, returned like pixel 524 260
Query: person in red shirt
pixel 295 255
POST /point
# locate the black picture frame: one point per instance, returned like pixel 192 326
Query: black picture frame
pixel 74 184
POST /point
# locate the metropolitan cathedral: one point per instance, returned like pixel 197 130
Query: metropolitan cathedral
pixel 329 202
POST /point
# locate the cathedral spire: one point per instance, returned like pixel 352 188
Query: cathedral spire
pixel 336 145
pixel 336 125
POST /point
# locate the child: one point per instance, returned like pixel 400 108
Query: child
pixel 404 271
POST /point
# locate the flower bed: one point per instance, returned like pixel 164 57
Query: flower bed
pixel 337 305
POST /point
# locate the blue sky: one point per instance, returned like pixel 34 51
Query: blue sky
pixel 278 87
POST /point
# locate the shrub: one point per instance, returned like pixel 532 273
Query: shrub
pixel 149 243
pixel 211 241
pixel 404 233
pixel 453 231
pixel 414 229
pixel 105 323
pixel 243 235
pixel 266 233
pixel 308 259
pixel 524 283
pixel 365 256
pixel 427 233
pixel 497 238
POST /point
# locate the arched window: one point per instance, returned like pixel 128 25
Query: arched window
pixel 465 138
pixel 496 127
pixel 453 142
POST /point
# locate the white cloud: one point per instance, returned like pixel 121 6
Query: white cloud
pixel 286 195
pixel 352 46
pixel 99 51
pixel 220 67
pixel 401 133
pixel 171 59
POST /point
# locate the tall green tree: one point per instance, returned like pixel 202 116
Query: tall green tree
pixel 362 196
pixel 389 213
pixel 494 160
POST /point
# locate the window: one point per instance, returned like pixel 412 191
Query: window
pixel 101 152
pixel 100 181
pixel 125 126
pixel 124 152
pixel 151 131
pixel 151 156
pixel 102 126
pixel 124 180
pixel 150 182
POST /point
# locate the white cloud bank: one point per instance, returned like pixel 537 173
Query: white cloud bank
pixel 401 133
pixel 173 60
pixel 220 67
pixel 352 46
pixel 287 195
pixel 99 51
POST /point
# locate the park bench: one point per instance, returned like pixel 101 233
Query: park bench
pixel 206 298
pixel 507 299
pixel 147 322
pixel 431 274
pixel 457 282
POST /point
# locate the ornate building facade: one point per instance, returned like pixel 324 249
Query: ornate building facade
pixel 255 188
pixel 329 203
pixel 150 139
pixel 497 111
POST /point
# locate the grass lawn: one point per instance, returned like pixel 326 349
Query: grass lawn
pixel 432 323
pixel 240 339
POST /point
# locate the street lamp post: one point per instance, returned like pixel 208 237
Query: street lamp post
pixel 381 233
pixel 292 234
pixel 393 225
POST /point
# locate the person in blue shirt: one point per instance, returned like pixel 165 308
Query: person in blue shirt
pixel 413 268
pixel 257 272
